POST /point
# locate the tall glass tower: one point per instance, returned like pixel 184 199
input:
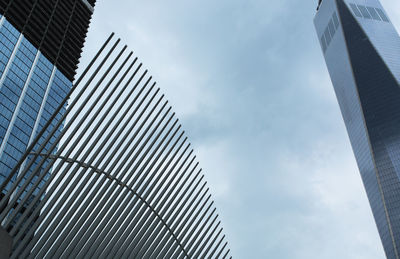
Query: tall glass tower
pixel 40 45
pixel 362 52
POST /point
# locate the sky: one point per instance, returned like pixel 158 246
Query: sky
pixel 248 81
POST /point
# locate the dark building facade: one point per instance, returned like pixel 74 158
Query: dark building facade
pixel 362 52
pixel 40 45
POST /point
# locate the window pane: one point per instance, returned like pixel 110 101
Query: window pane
pixel 355 10
pixel 327 36
pixel 373 13
pixel 323 43
pixel 382 15
pixel 335 20
pixel 331 28
pixel 364 11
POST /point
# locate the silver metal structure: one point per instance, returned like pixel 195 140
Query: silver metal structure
pixel 123 182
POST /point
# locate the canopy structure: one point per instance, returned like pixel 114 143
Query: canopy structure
pixel 123 182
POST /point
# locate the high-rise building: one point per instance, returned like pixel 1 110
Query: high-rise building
pixel 362 52
pixel 40 45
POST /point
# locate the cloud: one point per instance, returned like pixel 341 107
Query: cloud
pixel 248 80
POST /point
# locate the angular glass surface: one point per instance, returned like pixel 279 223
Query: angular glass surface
pixel 363 64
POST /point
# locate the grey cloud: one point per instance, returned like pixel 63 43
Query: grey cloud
pixel 249 82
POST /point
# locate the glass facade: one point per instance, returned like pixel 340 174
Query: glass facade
pixel 31 88
pixel 363 60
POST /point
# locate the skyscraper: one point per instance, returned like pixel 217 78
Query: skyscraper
pixel 362 52
pixel 40 46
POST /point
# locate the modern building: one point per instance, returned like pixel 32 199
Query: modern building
pixel 362 52
pixel 40 45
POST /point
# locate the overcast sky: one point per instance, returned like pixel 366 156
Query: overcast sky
pixel 248 81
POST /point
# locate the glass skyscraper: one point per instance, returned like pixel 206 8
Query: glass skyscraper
pixel 362 52
pixel 40 45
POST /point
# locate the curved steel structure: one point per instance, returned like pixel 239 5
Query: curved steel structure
pixel 124 182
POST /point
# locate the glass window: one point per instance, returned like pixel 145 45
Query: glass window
pixel 327 36
pixel 323 43
pixel 335 20
pixel 382 15
pixel 373 13
pixel 355 10
pixel 364 11
pixel 331 28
